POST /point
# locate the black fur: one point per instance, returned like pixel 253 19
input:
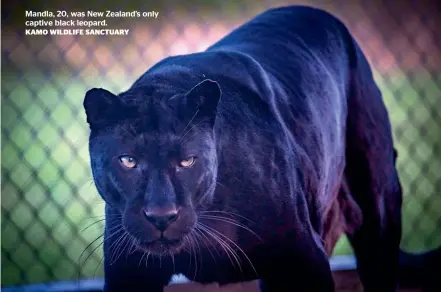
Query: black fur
pixel 292 141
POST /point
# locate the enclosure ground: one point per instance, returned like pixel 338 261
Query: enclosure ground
pixel 345 281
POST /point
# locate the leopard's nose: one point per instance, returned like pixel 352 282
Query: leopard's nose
pixel 161 219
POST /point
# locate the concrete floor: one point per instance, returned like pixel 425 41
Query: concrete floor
pixel 345 281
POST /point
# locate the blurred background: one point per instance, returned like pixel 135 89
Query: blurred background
pixel 48 197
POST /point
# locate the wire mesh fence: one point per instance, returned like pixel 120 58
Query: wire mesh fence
pixel 48 198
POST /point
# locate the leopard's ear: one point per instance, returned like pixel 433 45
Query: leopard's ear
pixel 102 107
pixel 202 100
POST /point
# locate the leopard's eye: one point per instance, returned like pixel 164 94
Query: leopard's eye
pixel 187 162
pixel 128 161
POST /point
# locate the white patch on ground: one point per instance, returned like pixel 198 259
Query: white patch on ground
pixel 179 279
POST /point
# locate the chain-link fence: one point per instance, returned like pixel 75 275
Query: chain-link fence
pixel 48 196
